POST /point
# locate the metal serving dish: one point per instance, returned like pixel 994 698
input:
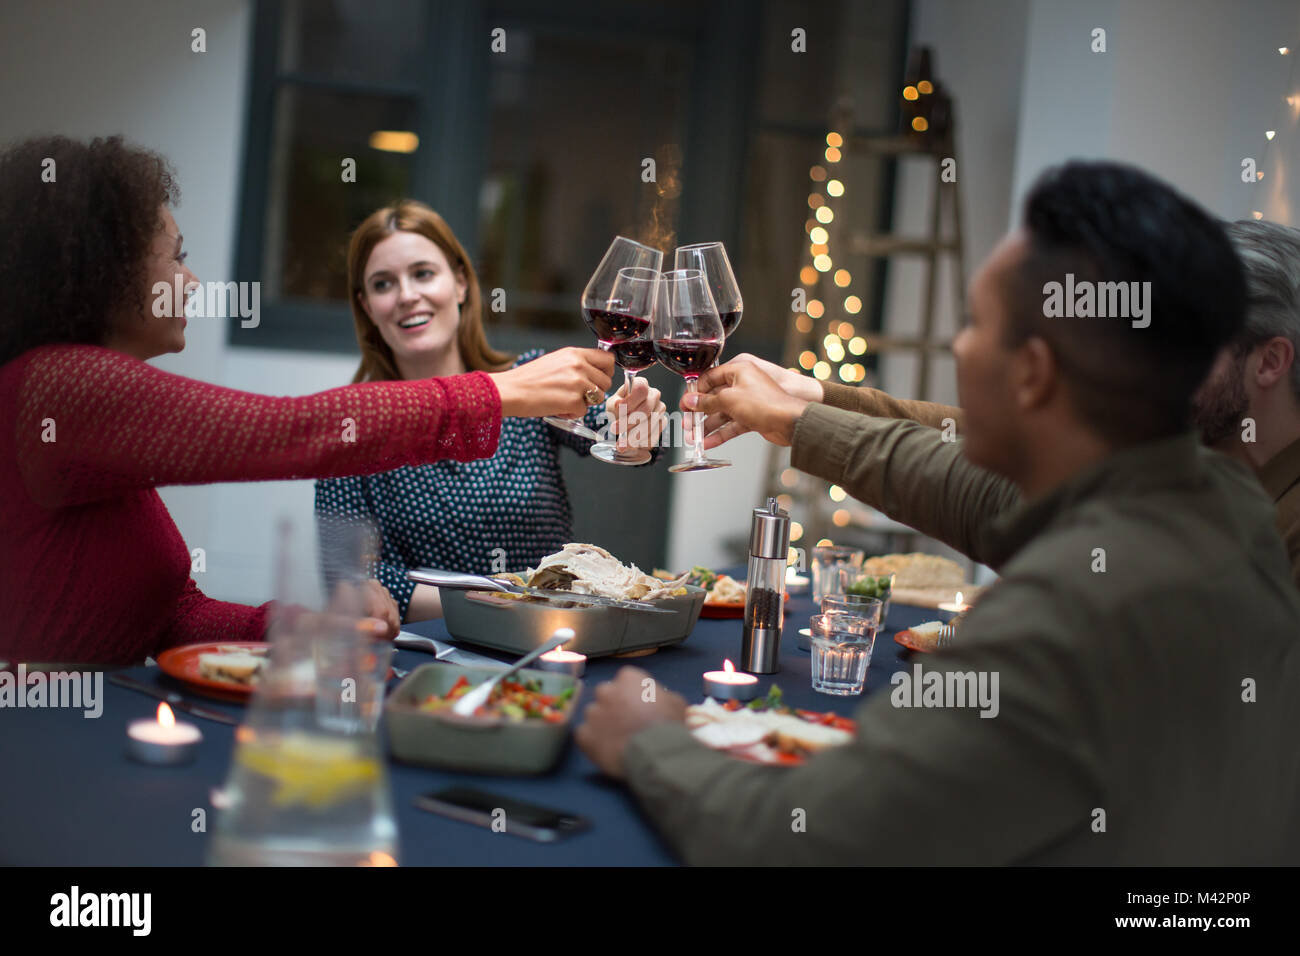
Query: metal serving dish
pixel 509 624
pixel 478 744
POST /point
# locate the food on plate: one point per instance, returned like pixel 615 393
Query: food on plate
pixel 930 636
pixel 725 590
pixel 719 588
pixel 917 570
pixel 872 586
pixel 588 569
pixel 766 729
pixel 514 700
pixel 238 665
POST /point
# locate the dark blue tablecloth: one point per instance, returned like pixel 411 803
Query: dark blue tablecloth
pixel 69 795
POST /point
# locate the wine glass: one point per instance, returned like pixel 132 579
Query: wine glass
pixel 688 340
pixel 634 298
pixel 711 259
pixel 623 253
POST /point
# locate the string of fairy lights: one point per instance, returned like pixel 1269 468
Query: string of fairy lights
pixel 1292 100
pixel 841 339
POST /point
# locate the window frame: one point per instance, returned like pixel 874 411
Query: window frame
pixel 451 104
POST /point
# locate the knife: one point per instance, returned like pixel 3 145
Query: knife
pixel 477 582
pixel 443 651
pixel 174 699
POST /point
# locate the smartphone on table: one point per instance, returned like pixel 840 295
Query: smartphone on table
pixel 502 814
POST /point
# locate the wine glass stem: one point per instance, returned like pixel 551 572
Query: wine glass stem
pixel 697 427
pixel 626 424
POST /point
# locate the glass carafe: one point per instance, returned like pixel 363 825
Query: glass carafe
pixel 307 784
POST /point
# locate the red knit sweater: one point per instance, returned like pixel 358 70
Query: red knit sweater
pixel 92 567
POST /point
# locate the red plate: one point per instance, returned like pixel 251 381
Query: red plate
pixel 905 638
pixel 182 663
pixel 734 609
pixel 723 610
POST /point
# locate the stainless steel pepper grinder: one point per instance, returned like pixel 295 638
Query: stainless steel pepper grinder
pixel 769 548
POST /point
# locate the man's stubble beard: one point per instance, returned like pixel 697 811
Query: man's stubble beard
pixel 1220 405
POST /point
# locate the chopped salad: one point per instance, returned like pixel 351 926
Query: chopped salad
pixel 513 700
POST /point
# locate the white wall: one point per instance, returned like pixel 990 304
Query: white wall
pixel 1185 89
pixel 979 51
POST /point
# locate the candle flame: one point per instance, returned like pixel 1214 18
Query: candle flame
pixel 957 600
pixel 165 715
pixel 728 667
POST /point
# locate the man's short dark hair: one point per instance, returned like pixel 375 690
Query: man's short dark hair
pixel 1107 222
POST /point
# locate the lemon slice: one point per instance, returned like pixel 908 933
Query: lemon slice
pixel 311 771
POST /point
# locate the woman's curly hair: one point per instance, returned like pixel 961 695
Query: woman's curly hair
pixel 73 250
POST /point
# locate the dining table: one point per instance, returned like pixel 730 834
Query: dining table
pixel 71 796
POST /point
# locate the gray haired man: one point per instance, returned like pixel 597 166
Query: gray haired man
pixel 1249 406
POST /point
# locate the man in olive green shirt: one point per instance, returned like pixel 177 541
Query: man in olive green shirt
pixel 1249 406
pixel 1144 635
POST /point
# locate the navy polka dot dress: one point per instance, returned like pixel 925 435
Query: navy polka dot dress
pixel 455 515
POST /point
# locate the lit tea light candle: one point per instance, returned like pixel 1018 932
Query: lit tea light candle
pixel 562 661
pixel 955 605
pixel 162 741
pixel 730 684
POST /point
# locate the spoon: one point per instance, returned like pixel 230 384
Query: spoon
pixel 477 697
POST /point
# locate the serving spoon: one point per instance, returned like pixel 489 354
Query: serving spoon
pixel 477 697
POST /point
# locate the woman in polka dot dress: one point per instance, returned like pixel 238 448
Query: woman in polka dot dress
pixel 418 312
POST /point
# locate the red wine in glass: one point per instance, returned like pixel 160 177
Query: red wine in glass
pixel 600 295
pixel 688 339
pixel 635 355
pixel 711 259
pixel 687 357
pixel 613 327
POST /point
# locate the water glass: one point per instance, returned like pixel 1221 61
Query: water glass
pixel 827 563
pixel 877 585
pixel 841 653
pixel 855 605
pixel 352 677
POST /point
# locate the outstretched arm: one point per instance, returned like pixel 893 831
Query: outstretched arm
pixel 118 424
pixel 910 472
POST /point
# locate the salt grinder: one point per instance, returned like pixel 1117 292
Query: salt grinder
pixel 769 548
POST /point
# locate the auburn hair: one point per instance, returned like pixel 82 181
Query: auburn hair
pixel 409 215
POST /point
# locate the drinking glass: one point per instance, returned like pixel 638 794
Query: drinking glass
pixel 307 783
pixel 636 294
pixel 688 340
pixel 868 609
pixel 711 259
pixel 827 562
pixel 877 585
pixel 604 315
pixel 841 653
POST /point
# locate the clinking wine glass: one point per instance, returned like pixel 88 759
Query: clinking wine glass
pixel 635 296
pixel 688 339
pixel 711 259
pixel 610 325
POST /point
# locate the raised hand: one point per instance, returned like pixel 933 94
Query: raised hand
pixel 792 383
pixel 557 383
pixel 737 397
pixel 643 413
